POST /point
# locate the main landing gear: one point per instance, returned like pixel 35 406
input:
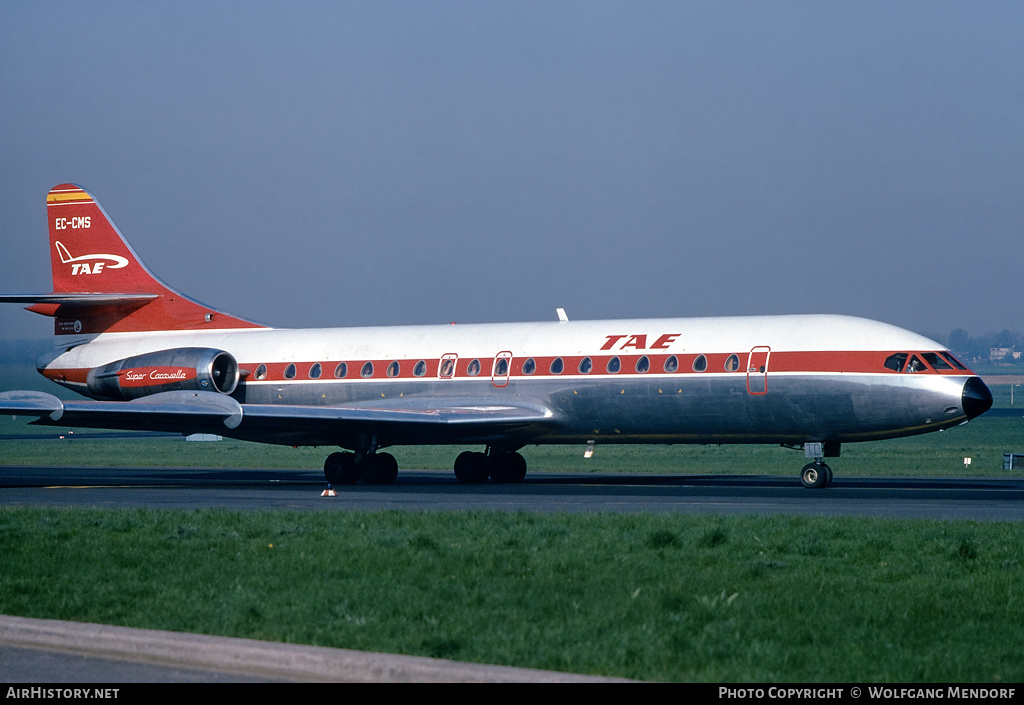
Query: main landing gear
pixel 374 468
pixel 505 467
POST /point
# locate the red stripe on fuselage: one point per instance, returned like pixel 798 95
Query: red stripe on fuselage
pixel 822 362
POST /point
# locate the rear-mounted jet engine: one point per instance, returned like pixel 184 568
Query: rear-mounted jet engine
pixel 167 370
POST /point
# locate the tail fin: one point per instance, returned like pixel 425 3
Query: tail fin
pixel 99 283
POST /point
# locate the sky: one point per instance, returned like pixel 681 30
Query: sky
pixel 347 163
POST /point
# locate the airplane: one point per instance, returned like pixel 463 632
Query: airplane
pixel 148 357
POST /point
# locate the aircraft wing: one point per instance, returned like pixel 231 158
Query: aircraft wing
pixel 398 422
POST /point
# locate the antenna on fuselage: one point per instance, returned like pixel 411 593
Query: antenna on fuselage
pixel 561 315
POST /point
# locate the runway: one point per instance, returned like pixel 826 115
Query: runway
pixel 985 499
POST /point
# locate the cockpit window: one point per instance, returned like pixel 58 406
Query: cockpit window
pixel 915 365
pixel 936 362
pixel 956 363
pixel 896 362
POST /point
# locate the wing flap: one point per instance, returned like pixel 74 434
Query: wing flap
pixel 191 412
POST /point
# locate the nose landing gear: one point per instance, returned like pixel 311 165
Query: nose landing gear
pixel 816 475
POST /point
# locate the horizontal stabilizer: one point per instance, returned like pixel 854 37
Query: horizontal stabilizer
pixel 178 411
pixel 78 299
pixel 26 403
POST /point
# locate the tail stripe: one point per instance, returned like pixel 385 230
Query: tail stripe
pixel 59 197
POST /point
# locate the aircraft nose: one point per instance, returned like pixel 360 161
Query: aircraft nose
pixel 976 398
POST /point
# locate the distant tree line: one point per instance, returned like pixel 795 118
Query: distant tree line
pixel 973 349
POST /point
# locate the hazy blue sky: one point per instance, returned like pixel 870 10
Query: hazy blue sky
pixel 354 163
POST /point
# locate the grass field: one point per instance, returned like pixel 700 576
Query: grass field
pixel 652 597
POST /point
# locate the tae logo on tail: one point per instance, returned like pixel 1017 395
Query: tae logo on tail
pixel 89 264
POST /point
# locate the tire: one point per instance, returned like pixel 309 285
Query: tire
pixel 378 469
pixel 471 468
pixel 508 468
pixel 815 475
pixel 340 469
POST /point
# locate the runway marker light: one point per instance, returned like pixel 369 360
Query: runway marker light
pixel 329 492
pixel 967 463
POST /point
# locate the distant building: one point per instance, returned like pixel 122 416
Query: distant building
pixel 1003 354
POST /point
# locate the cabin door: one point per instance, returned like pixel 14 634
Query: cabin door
pixel 757 369
pixel 501 369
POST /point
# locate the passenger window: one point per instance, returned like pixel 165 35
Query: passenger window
pixel 529 367
pixel 500 369
pixel 614 365
pixel 585 366
pixel 700 364
pixel 261 372
pixel 447 368
pixel 916 365
pixel 643 364
pixel 936 362
pixel 367 370
pixel 315 371
pixel 896 362
pixel 393 369
pixel 557 366
pixel 672 363
pixel 732 363
pixel 474 368
pixel 420 369
pixel 341 370
pixel 289 372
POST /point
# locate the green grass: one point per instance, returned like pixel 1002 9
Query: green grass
pixel 654 597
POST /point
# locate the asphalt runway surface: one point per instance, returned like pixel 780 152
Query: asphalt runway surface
pixel 987 498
